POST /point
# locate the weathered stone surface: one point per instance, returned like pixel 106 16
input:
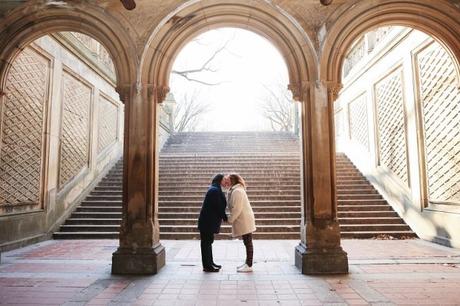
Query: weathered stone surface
pixel 139 261
pixel 321 261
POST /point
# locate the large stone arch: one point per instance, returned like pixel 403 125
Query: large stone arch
pixel 194 18
pixel 33 20
pixel 140 250
pixel 440 19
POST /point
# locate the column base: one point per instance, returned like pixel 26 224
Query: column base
pixel 324 261
pixel 140 261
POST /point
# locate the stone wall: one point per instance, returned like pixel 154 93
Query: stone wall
pixel 397 118
pixel 61 130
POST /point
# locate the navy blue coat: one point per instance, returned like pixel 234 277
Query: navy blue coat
pixel 213 210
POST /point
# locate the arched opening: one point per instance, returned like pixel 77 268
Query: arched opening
pixel 142 156
pixel 397 110
pixel 231 112
pixel 61 114
pixel 61 126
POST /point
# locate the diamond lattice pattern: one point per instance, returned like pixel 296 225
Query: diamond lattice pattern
pixel 391 128
pixel 22 123
pixel 440 102
pixel 74 128
pixel 358 121
pixel 108 124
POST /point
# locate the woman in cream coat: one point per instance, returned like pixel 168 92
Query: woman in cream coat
pixel 241 217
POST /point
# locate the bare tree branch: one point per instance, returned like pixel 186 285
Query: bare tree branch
pixel 205 67
pixel 278 109
pixel 189 110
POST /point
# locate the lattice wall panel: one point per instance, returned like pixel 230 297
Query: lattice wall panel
pixel 22 124
pixel 391 127
pixel 359 131
pixel 440 102
pixel 74 128
pixel 108 124
pixel 339 125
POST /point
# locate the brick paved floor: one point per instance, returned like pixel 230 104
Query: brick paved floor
pixel 382 272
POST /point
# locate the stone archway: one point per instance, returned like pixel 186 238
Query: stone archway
pixel 140 249
pixel 21 27
pixel 441 20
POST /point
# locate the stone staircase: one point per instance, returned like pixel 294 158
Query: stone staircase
pixel 270 164
pixel 362 211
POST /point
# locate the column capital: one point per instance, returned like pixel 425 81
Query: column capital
pixel 300 90
pixel 155 93
pixel 333 89
pixel 159 92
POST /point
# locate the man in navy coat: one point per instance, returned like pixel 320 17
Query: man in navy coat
pixel 211 215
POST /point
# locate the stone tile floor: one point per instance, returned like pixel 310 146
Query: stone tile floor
pixel 382 272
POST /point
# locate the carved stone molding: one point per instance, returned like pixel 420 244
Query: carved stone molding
pixel 300 91
pixel 159 93
pixel 124 91
pixel 333 89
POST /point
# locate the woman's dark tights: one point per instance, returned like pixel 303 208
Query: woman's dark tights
pixel 247 240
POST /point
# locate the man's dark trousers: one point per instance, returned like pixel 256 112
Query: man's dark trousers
pixel 207 238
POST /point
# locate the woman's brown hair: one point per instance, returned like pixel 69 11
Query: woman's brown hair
pixel 235 178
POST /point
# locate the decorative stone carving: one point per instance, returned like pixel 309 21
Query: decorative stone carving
pixel 107 123
pixel 333 90
pixel 391 124
pixel 300 91
pixel 22 123
pixel 439 99
pixel 74 128
pixel 159 93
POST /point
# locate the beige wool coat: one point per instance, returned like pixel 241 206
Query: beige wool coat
pixel 241 214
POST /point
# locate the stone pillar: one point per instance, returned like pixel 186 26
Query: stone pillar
pixel 140 251
pixel 319 251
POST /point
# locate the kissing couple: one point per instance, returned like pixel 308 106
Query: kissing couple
pixel 213 212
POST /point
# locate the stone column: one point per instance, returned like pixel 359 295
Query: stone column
pixel 140 251
pixel 319 251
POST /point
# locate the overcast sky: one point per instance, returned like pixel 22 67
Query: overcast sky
pixel 249 63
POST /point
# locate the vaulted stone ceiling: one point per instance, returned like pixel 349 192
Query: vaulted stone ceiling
pixel 147 14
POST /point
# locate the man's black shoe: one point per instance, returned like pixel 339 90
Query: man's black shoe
pixel 216 266
pixel 210 270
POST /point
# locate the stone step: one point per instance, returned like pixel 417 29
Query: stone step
pixel 180 195
pixel 358 196
pixel 369 220
pixel 86 235
pixel 366 214
pixel 196 209
pixel 254 203
pixel 259 221
pixel 369 202
pixel 369 190
pixel 258 215
pixel 95 215
pixel 194 188
pixel 374 227
pixel 357 207
pixel 375 234
pixel 252 198
pixel 93 221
